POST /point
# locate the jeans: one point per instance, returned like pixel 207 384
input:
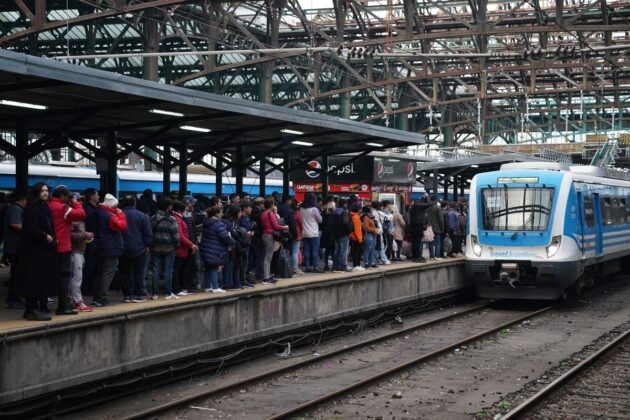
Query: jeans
pixel 211 280
pixel 368 250
pixel 256 257
pixel 78 261
pixel 65 275
pixel 167 259
pixel 311 252
pixel 340 260
pixel 434 247
pixel 133 271
pixel 295 250
pixel 105 271
pixel 356 249
pixel 182 273
pixel 269 244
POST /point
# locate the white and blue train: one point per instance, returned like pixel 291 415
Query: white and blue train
pixel 541 230
pixel 129 181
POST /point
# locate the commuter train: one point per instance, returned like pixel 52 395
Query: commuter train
pixel 129 181
pixel 541 230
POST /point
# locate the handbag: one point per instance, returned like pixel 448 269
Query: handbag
pixel 428 235
pixel 278 235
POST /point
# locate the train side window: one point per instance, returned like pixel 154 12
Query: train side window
pixel 589 218
pixel 607 211
pixel 627 206
pixel 623 211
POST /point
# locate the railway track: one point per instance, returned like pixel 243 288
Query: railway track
pixel 592 388
pixel 480 315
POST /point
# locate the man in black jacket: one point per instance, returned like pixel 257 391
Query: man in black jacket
pixel 417 225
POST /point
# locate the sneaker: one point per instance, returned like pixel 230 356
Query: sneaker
pixel 82 307
pixel 13 304
pixel 65 311
pixel 139 299
pixel 127 299
pixel 183 293
pixel 270 281
pixel 171 296
pixel 387 262
pixel 358 268
pixel 248 285
pixel 188 292
pixel 219 290
pixel 51 300
pixel 207 290
pixel 298 272
pixel 100 303
pixel 155 297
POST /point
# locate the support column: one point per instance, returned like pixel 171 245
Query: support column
pixel 434 190
pixel 446 179
pixel 239 169
pixel 456 181
pixel 21 158
pixel 183 169
pixel 150 65
pixel 166 170
pixel 285 173
pixel 324 176
pixel 262 178
pixel 112 172
pixel 218 184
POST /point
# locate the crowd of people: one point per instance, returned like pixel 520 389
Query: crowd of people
pixel 62 245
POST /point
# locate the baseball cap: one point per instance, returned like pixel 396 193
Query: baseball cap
pixel 190 198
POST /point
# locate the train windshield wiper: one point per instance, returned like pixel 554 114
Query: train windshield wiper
pixel 523 226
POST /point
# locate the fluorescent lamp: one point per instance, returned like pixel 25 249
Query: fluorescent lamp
pixel 22 104
pixel 163 112
pixel 193 128
pixel 374 144
pixel 287 131
pixel 302 143
pixel 474 166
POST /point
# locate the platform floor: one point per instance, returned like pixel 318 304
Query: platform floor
pixel 11 319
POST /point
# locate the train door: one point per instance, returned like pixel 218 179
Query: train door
pixel 599 234
pixel 582 203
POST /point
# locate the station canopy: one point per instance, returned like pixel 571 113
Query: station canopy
pixel 81 102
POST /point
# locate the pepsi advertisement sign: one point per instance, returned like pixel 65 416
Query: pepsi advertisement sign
pixel 359 170
pixel 366 169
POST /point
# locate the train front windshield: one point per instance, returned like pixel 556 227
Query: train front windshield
pixel 516 208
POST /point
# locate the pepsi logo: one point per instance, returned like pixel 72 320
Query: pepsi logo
pixel 315 165
pixel 379 169
pixel 411 171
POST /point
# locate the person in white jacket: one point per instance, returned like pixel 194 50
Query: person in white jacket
pixel 379 221
pixel 311 217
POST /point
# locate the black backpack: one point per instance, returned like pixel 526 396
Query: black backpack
pixel 342 223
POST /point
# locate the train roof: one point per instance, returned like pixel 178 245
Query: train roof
pixel 588 170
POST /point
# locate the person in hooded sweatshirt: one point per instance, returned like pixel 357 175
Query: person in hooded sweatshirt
pixel 65 208
pixel 110 225
pixel 165 241
pixel 214 246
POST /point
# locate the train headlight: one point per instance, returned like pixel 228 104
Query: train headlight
pixel 553 248
pixel 476 246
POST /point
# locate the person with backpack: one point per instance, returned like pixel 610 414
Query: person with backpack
pixel 367 220
pixel 356 237
pixel 399 231
pixel 342 227
pixel 381 241
pixel 417 225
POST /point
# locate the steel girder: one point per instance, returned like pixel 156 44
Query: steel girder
pixel 470 71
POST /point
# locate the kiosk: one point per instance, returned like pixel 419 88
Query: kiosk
pixel 369 177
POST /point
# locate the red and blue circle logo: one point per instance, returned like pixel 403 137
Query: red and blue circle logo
pixel 315 165
pixel 379 169
pixel 411 171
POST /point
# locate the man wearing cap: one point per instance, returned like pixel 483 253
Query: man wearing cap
pixel 65 209
pixel 110 224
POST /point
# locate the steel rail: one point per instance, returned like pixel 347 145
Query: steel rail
pixel 257 378
pixel 527 405
pixel 345 390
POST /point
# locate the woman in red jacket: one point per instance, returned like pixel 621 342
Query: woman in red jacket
pixel 269 220
pixel 183 266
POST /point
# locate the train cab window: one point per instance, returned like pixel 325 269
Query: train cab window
pixel 607 216
pixel 589 218
pixel 516 208
pixel 626 208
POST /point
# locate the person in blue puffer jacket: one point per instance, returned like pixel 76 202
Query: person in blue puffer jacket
pixel 215 243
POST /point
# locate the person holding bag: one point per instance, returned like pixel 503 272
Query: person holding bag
pixel 270 225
